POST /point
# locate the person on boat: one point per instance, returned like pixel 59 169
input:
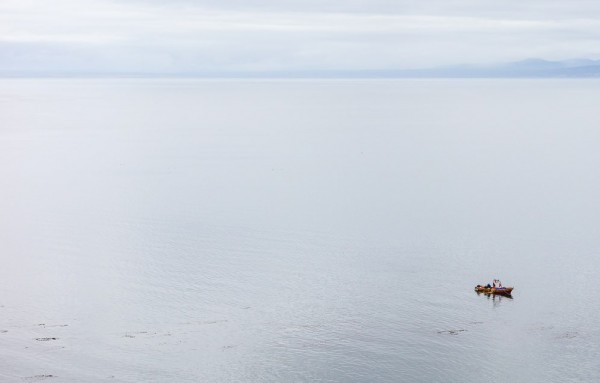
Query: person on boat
pixel 488 286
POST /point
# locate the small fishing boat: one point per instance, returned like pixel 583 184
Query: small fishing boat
pixel 494 290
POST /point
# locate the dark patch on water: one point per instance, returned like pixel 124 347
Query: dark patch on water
pixel 214 321
pixel 46 339
pixel 569 335
pixel 207 322
pixel 451 332
pixel 36 378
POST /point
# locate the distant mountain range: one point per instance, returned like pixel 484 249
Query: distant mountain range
pixel 525 68
pixel 530 68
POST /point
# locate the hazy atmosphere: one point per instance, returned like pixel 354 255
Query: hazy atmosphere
pixel 299 191
pixel 175 37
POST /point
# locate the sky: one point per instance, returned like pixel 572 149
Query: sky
pixel 195 36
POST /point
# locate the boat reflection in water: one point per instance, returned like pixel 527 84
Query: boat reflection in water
pixel 495 297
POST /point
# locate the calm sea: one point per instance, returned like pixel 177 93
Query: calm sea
pixel 182 230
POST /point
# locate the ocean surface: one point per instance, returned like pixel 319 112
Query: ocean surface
pixel 182 230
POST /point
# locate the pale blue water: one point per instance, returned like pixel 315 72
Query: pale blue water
pixel 299 231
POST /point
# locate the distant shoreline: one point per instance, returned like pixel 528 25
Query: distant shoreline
pixel 531 68
pixel 284 77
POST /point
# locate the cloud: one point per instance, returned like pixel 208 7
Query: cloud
pixel 189 36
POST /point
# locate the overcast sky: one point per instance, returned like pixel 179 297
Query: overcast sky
pixel 265 35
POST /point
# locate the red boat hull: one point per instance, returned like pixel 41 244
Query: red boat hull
pixel 494 290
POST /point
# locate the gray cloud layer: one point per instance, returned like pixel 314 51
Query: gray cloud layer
pixel 196 36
